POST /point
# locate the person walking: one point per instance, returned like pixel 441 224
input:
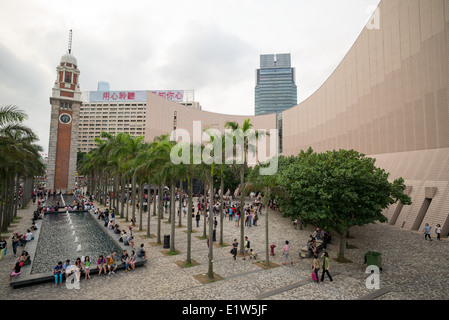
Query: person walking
pixel 316 268
pixel 235 245
pixel 285 252
pixel 130 227
pixel 197 217
pixel 15 243
pixel 326 267
pixel 427 232
pixel 438 231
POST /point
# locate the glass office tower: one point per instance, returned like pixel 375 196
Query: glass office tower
pixel 275 84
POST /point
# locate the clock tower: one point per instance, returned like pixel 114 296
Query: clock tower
pixel 65 109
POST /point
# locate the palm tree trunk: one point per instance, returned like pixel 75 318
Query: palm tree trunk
pixel 210 273
pixel 13 198
pixel 110 187
pixel 127 200
pixel 141 193
pixel 221 206
pixel 189 221
pixel 133 196
pixel 122 196
pixel 205 208
pixel 159 203
pixel 242 208
pixel 154 202
pixel 180 204
pixel 172 215
pixel 105 190
pixel 148 207
pixel 2 201
pixel 17 191
pixel 266 199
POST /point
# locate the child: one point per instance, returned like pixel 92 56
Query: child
pixel 16 270
pixel 86 267
pixel 57 272
pixel 285 252
pixel 438 231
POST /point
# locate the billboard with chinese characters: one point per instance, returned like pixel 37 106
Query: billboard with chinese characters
pixel 132 96
pixel 117 96
pixel 172 95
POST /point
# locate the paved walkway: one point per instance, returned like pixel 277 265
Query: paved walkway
pixel 413 268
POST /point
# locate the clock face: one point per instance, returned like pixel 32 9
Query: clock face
pixel 65 118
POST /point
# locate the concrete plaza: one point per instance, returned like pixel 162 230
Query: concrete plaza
pixel 413 268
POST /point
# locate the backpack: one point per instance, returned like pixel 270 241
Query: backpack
pixel 248 245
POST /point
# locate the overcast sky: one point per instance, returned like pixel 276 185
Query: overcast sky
pixel 210 46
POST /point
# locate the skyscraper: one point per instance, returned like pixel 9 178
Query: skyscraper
pixel 275 90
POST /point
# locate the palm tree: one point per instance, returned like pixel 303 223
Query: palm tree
pixel 240 133
pixel 20 160
pixel 268 184
pixel 161 156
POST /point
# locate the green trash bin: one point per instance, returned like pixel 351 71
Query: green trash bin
pixel 373 258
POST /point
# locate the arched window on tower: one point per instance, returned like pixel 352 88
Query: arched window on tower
pixel 68 77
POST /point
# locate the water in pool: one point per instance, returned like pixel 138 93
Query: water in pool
pixel 69 236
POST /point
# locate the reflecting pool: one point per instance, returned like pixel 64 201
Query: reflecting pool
pixel 68 236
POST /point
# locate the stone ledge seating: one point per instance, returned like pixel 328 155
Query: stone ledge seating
pixel 17 282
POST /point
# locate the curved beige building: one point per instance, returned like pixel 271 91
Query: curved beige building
pixel 389 99
pixel 163 116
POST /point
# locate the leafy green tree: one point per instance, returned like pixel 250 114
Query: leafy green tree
pixel 337 190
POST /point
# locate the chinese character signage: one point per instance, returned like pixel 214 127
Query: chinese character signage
pixel 133 96
pixel 118 96
pixel 173 95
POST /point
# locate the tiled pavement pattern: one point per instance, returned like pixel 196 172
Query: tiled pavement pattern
pixel 413 268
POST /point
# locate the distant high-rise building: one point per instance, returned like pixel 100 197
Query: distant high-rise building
pixel 276 89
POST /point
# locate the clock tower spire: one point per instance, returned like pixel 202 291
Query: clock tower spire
pixel 65 108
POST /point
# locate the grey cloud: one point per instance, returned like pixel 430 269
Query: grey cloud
pixel 207 56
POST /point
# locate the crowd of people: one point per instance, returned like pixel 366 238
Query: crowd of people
pixel 106 265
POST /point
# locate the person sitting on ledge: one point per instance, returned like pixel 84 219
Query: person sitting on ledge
pixel 117 229
pixel 130 242
pixel 311 246
pixel 101 265
pixel 26 238
pixel 132 260
pixel 124 238
pixel 16 270
pixel 24 258
pixel 36 215
pixel 57 273
pixel 141 252
pixel 34 225
pixel 67 268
